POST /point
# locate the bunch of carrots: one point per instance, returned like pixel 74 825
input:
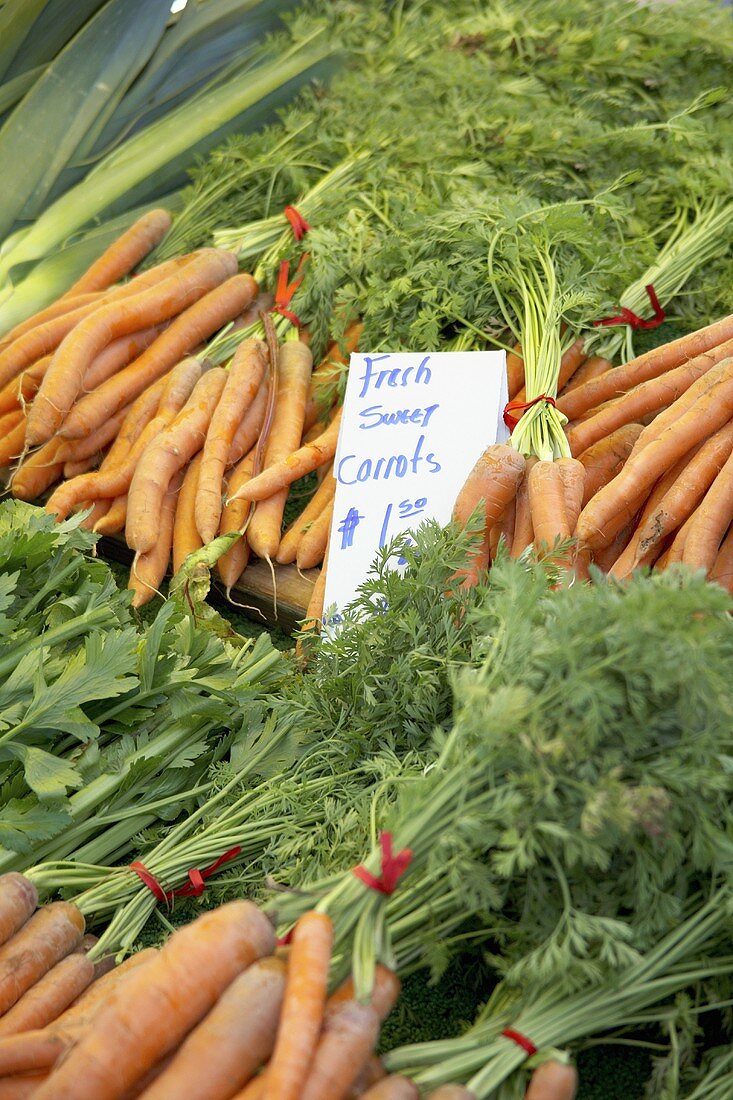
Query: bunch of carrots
pixel 650 480
pixel 219 1012
pixel 108 396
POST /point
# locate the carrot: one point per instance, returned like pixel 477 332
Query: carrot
pixel 113 521
pixel 168 396
pixel 51 934
pixel 124 254
pixel 493 482
pixel 73 450
pixel 10 420
pixel 553 1081
pixel 241 1030
pixel 514 371
pixel 327 374
pixel 452 1092
pixel 18 391
pixel 51 994
pixel 675 551
pixel 324 494
pixel 591 368
pixel 303 1006
pixel 65 375
pixel 679 406
pixel 37 472
pixel 77 467
pixel 547 505
pixel 349 1035
pixel 242 384
pixel 710 521
pixel 255 1090
pixel 687 490
pixel 313 620
pixel 605 458
pixel 186 539
pixel 312 546
pixel 11 446
pixel 605 557
pixel 98 511
pixel 572 475
pixel 571 360
pixel 45 338
pixel 96 995
pixel 722 571
pixel 392 1088
pixel 708 414
pixel 650 365
pixel 294 371
pixel 30 1051
pixel 249 429
pixel 523 532
pixel 18 1088
pixel 186 332
pixel 149 568
pixel 116 356
pixel 165 456
pixel 18 901
pixel 49 313
pixel 157 1005
pixel 233 562
pixel 302 462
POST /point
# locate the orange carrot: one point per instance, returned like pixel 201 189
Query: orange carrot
pixel 327 374
pixel 393 1088
pixel 514 371
pixel 185 333
pixel 369 1075
pixel 233 562
pixel 312 545
pixel 47 999
pixel 687 490
pixel 77 467
pixel 492 483
pixel 288 549
pixel 303 1006
pixel 605 458
pixel 674 553
pixel 572 475
pixel 9 421
pixel 149 568
pixel 165 455
pixel 710 521
pixel 30 1051
pixel 242 383
pixel 722 571
pixel 240 1028
pixel 18 901
pixel 383 997
pixel 313 620
pixel 553 1081
pixel 114 519
pixel 302 462
pixel 49 313
pixel 294 372
pixel 591 368
pixel 124 254
pixel 547 505
pixel 249 429
pixel 51 934
pixel 152 1011
pixel 186 539
pixel 73 450
pixel 65 375
pixel 18 1088
pixel 708 414
pixel 605 557
pixel 349 1035
pixel 37 472
pixel 679 406
pixel 523 532
pixel 167 396
pixel 652 364
pixel 18 391
pixel 479 560
pixel 99 510
pixel 116 356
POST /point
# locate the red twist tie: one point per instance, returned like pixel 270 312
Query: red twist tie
pixel 628 317
pixel 521 406
pixel 297 222
pixel 284 290
pixel 393 867
pixel 196 885
pixel 283 941
pixel 521 1040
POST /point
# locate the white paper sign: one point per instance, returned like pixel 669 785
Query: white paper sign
pixel 412 428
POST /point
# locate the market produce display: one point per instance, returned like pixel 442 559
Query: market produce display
pixel 509 768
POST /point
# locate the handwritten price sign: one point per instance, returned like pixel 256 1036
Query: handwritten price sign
pixel 413 425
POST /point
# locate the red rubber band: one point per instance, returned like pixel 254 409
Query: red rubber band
pixel 283 941
pixel 196 884
pixel 628 317
pixel 521 406
pixel 284 290
pixel 149 880
pixel 393 867
pixel 297 222
pixel 521 1040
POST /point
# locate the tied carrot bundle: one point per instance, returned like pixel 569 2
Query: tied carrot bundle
pixel 65 375
pixel 18 902
pixel 124 254
pixel 185 333
pixel 242 385
pixel 294 372
pixel 155 1008
pixel 51 934
pixel 303 1007
pixel 186 539
pixel 302 462
pixel 148 569
pixel 165 456
pixel 240 1028
pixel 165 399
pixel 50 996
